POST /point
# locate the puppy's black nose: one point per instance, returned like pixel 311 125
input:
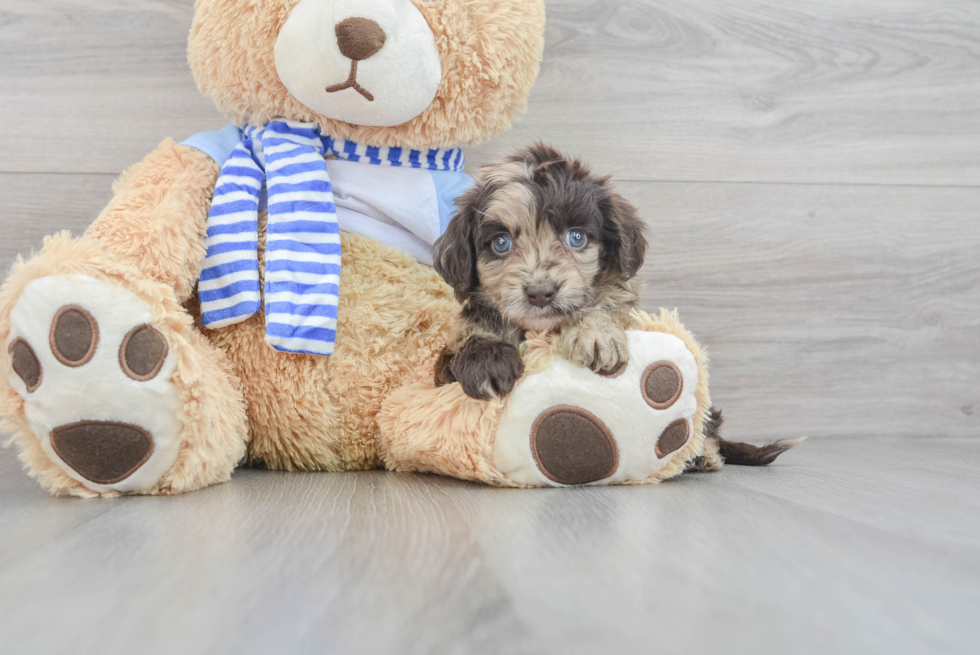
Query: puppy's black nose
pixel 359 38
pixel 541 295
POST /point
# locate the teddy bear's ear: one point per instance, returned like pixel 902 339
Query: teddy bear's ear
pixel 454 253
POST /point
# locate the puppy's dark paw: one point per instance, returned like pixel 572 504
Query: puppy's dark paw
pixel 443 372
pixel 487 368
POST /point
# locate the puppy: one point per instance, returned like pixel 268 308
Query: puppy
pixel 540 244
pixel 543 244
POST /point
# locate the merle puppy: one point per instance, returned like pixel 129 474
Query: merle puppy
pixel 540 244
pixel 543 244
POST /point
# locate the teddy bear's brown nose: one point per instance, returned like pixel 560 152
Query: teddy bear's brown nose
pixel 359 38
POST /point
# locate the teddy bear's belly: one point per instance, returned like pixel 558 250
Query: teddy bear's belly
pixel 309 412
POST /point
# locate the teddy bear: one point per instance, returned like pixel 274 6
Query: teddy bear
pixel 263 295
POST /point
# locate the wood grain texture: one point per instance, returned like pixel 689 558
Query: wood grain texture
pixel 820 553
pixel 92 86
pixel 875 91
pixel 33 206
pixel 839 91
pixel 825 309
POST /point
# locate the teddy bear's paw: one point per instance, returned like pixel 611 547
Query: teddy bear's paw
pixel 96 379
pixel 570 426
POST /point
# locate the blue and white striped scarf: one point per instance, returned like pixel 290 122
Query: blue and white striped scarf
pixel 302 250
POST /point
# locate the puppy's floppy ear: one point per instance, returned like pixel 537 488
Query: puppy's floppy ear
pixel 454 253
pixel 624 243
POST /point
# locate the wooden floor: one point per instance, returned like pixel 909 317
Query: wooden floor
pixel 810 171
pixel 847 546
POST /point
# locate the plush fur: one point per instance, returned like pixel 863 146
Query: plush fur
pixel 303 412
pixel 158 215
pixel 316 413
pixel 490 52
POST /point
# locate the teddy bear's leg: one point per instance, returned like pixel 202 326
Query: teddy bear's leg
pixel 441 430
pixel 109 386
pixel 564 425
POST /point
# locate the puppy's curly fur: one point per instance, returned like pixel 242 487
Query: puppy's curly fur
pixel 543 244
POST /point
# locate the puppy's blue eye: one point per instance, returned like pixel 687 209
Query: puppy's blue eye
pixel 576 239
pixel 502 244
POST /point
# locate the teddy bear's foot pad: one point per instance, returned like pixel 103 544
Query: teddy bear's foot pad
pixel 571 446
pixel 101 451
pixel 569 426
pixel 95 376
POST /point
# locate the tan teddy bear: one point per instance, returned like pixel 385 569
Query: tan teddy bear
pixel 263 293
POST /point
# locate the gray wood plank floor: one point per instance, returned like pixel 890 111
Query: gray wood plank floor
pixel 844 546
pixel 810 172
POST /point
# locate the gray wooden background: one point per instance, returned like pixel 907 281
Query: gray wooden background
pixel 810 171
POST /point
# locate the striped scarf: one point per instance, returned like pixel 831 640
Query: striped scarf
pixel 302 250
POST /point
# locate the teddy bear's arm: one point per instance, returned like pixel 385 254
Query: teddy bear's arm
pixel 157 218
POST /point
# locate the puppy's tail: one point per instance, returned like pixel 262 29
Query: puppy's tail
pixel 744 454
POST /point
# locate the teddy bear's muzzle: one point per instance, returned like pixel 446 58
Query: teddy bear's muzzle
pixel 337 57
pixel 358 38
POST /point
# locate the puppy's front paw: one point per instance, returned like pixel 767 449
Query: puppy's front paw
pixel 597 345
pixel 487 368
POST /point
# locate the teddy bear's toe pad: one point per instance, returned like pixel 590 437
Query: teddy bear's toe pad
pixel 673 438
pixel 74 336
pixel 662 384
pixel 143 353
pixel 96 379
pixel 570 426
pixel 26 364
